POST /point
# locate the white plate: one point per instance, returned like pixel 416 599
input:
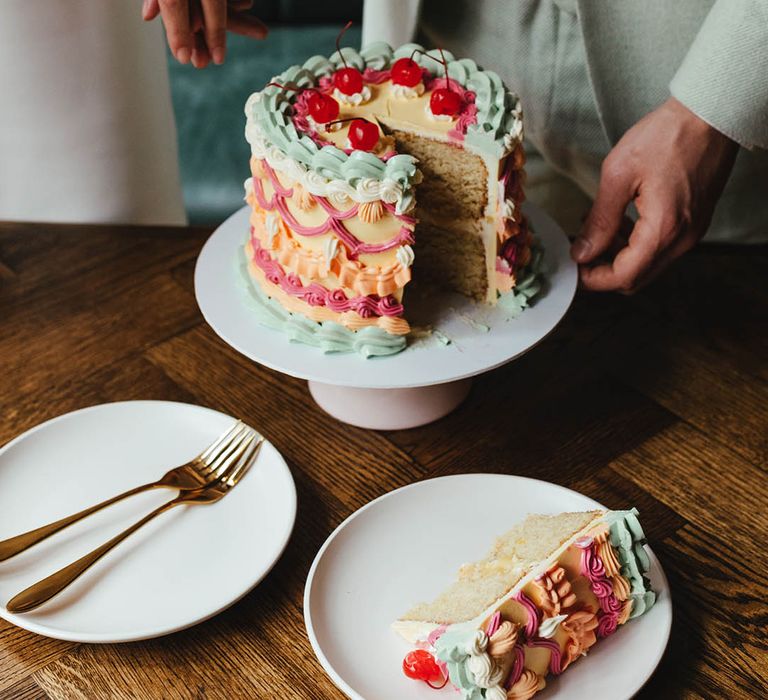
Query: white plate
pixel 407 546
pixel 223 297
pixel 183 567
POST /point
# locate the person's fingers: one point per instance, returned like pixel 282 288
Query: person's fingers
pixel 615 192
pixel 215 23
pixel 201 57
pixel 247 25
pixel 150 9
pixel 176 20
pixel 632 266
pixel 195 16
pixel 668 256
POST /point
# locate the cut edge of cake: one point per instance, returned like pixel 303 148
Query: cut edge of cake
pixel 588 585
pixel 421 619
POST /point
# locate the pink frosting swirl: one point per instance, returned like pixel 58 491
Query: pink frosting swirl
pixel 592 565
pixel 607 624
pixel 376 77
pixel 532 624
pixel 593 569
pixel 337 300
pixel 518 664
pixel 493 624
pixel 556 657
pixel 389 306
pixel 317 295
pixel 365 306
pixel 314 295
pixel 510 251
pixel 611 604
pixel 602 588
pixel 292 284
pixel 467 116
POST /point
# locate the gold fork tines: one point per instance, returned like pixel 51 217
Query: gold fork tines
pixel 232 468
pixel 197 473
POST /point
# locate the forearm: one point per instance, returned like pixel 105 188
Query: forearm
pixel 724 77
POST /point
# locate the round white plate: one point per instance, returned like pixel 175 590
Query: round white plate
pixel 224 300
pixel 407 545
pixel 182 568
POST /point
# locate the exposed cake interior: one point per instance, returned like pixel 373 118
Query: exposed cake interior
pixel 482 583
pixel 451 206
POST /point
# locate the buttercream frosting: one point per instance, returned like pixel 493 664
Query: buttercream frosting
pixel 329 336
pixel 563 607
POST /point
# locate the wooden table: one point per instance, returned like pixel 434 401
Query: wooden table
pixel 658 400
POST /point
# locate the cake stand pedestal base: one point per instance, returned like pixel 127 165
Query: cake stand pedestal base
pixel 389 409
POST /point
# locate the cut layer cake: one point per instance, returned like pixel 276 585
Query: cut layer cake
pixel 371 168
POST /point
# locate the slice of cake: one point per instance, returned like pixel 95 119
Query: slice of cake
pixel 369 168
pixel 549 589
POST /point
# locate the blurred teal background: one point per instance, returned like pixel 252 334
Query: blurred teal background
pixel 209 103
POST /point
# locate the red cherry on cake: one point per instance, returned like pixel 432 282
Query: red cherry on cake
pixel 322 108
pixel 363 135
pixel 405 71
pixel 445 101
pixel 348 80
pixel 421 666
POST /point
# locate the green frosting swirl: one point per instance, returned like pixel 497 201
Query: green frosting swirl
pixel 329 336
pixel 628 538
pixel 529 284
pixel 498 127
pixel 452 648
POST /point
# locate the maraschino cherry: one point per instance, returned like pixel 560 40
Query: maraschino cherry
pixel 362 134
pixel 443 101
pixel 347 80
pixel 322 108
pixel 421 666
pixel 405 71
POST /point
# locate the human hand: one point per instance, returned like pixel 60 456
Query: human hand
pixel 674 166
pixel 197 29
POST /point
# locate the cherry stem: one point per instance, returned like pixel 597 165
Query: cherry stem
pixel 344 121
pixel 438 687
pixel 443 63
pixel 338 42
pixel 294 87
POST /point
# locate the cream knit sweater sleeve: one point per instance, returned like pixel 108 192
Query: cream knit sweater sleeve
pixel 724 76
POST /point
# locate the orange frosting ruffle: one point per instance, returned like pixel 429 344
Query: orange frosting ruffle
pixel 352 274
pixel 396 325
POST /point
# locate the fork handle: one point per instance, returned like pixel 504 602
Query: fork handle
pixel 14 545
pixel 42 591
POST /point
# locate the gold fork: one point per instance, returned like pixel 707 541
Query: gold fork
pixel 228 476
pixel 193 475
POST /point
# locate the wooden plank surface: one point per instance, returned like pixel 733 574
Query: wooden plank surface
pixel 658 400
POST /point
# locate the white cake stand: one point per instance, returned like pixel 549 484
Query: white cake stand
pixel 425 381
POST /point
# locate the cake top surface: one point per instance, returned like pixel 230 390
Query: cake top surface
pixel 278 127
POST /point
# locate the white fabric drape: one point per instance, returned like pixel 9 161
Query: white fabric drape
pixel 87 131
